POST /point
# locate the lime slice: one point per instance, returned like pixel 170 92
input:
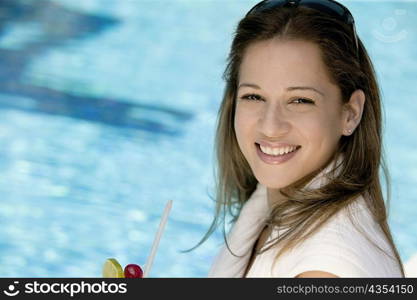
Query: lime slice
pixel 112 269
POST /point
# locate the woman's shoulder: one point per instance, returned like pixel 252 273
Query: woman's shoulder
pixel 347 246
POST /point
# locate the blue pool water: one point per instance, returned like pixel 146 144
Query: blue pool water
pixel 107 111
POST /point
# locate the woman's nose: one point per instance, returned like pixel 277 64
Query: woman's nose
pixel 274 122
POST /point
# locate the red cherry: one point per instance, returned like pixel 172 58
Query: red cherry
pixel 133 271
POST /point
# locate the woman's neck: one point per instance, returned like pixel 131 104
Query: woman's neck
pixel 274 196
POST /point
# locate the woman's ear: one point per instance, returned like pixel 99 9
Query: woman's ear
pixel 352 112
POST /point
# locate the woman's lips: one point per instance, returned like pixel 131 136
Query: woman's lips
pixel 275 159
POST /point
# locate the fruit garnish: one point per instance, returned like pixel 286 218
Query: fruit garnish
pixel 112 269
pixel 133 271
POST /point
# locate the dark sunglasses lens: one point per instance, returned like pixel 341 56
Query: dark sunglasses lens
pixel 331 8
pixel 326 6
pixel 266 4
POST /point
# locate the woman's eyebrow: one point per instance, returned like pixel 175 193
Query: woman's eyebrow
pixel 249 85
pixel 305 88
pixel 291 88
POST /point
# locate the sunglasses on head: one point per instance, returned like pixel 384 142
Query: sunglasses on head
pixel 329 7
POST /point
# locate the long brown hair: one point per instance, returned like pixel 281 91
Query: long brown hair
pixel 363 150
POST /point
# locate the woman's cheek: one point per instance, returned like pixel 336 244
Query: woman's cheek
pixel 242 129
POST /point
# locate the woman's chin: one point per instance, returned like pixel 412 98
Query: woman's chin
pixel 274 184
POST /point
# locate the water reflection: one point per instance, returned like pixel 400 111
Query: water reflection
pixel 28 30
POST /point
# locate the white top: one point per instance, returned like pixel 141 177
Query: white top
pixel 337 247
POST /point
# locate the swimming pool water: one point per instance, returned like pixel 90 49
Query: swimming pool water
pixel 107 111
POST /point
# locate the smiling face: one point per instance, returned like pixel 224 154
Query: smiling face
pixel 285 98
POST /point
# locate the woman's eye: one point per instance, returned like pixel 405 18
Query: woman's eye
pixel 303 101
pixel 251 97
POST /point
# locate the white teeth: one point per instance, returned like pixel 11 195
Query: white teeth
pixel 277 151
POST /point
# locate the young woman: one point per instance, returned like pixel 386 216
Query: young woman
pixel 299 149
